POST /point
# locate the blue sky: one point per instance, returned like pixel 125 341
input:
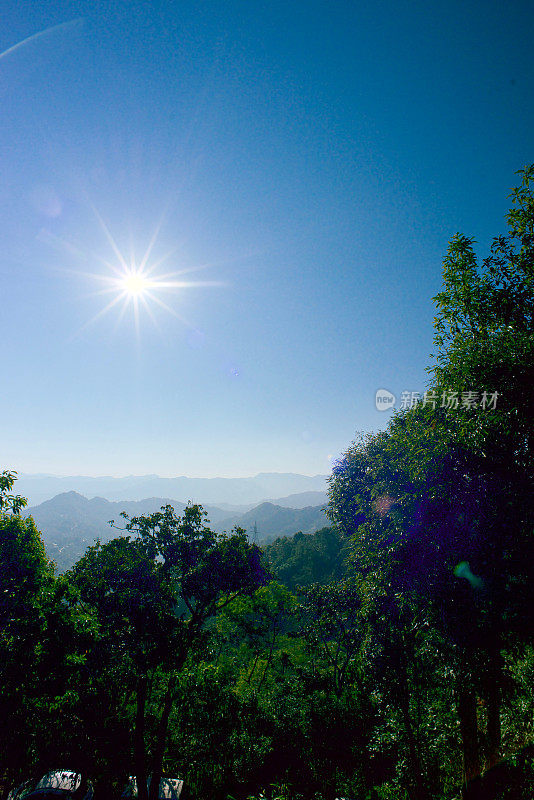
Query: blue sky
pixel 306 161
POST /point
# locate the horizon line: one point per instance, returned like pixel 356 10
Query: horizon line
pixel 21 474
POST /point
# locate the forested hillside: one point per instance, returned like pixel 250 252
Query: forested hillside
pixel 387 657
pixel 70 523
pixel 302 560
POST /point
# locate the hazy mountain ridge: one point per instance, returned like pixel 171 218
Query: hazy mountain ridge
pixel 273 521
pixel 70 522
pixel 209 491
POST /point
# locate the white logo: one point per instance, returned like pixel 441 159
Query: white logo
pixel 384 399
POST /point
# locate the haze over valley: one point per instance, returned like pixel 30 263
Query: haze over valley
pixel 70 521
pixel 238 494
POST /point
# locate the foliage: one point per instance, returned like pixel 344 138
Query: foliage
pixel 333 632
pixel 9 503
pixel 44 639
pixel 440 504
pixel 153 595
pixel 304 559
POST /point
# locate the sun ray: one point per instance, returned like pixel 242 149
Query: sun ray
pixel 155 264
pixel 160 303
pixel 150 313
pixel 110 239
pixel 151 243
pixel 187 284
pixel 122 312
pixel 170 310
pixel 136 318
pixel 137 285
pixel 98 315
pixel 84 253
pixel 186 270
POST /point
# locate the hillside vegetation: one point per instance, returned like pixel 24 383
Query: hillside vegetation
pixel 70 523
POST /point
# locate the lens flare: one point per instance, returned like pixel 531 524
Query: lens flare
pixel 135 283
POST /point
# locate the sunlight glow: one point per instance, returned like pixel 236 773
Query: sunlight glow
pixel 138 284
pixel 135 283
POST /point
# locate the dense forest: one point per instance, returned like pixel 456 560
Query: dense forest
pixel 388 656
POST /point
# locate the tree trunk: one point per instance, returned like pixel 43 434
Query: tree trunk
pixel 467 714
pixel 417 790
pixel 269 659
pixel 494 723
pixel 161 740
pixel 252 671
pixel 139 740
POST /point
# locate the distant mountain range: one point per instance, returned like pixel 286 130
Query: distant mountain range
pixel 71 522
pixel 222 492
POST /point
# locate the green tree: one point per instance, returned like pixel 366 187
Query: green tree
pixel 24 569
pixel 333 632
pixel 10 503
pixel 485 343
pixel 154 592
pixel 484 337
pixel 43 641
pixel 440 505
pixel 304 559
pixel 256 626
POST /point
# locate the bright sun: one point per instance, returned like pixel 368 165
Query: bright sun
pixel 135 283
pixel 139 286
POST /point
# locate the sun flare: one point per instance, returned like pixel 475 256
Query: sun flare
pixel 140 285
pixel 135 283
